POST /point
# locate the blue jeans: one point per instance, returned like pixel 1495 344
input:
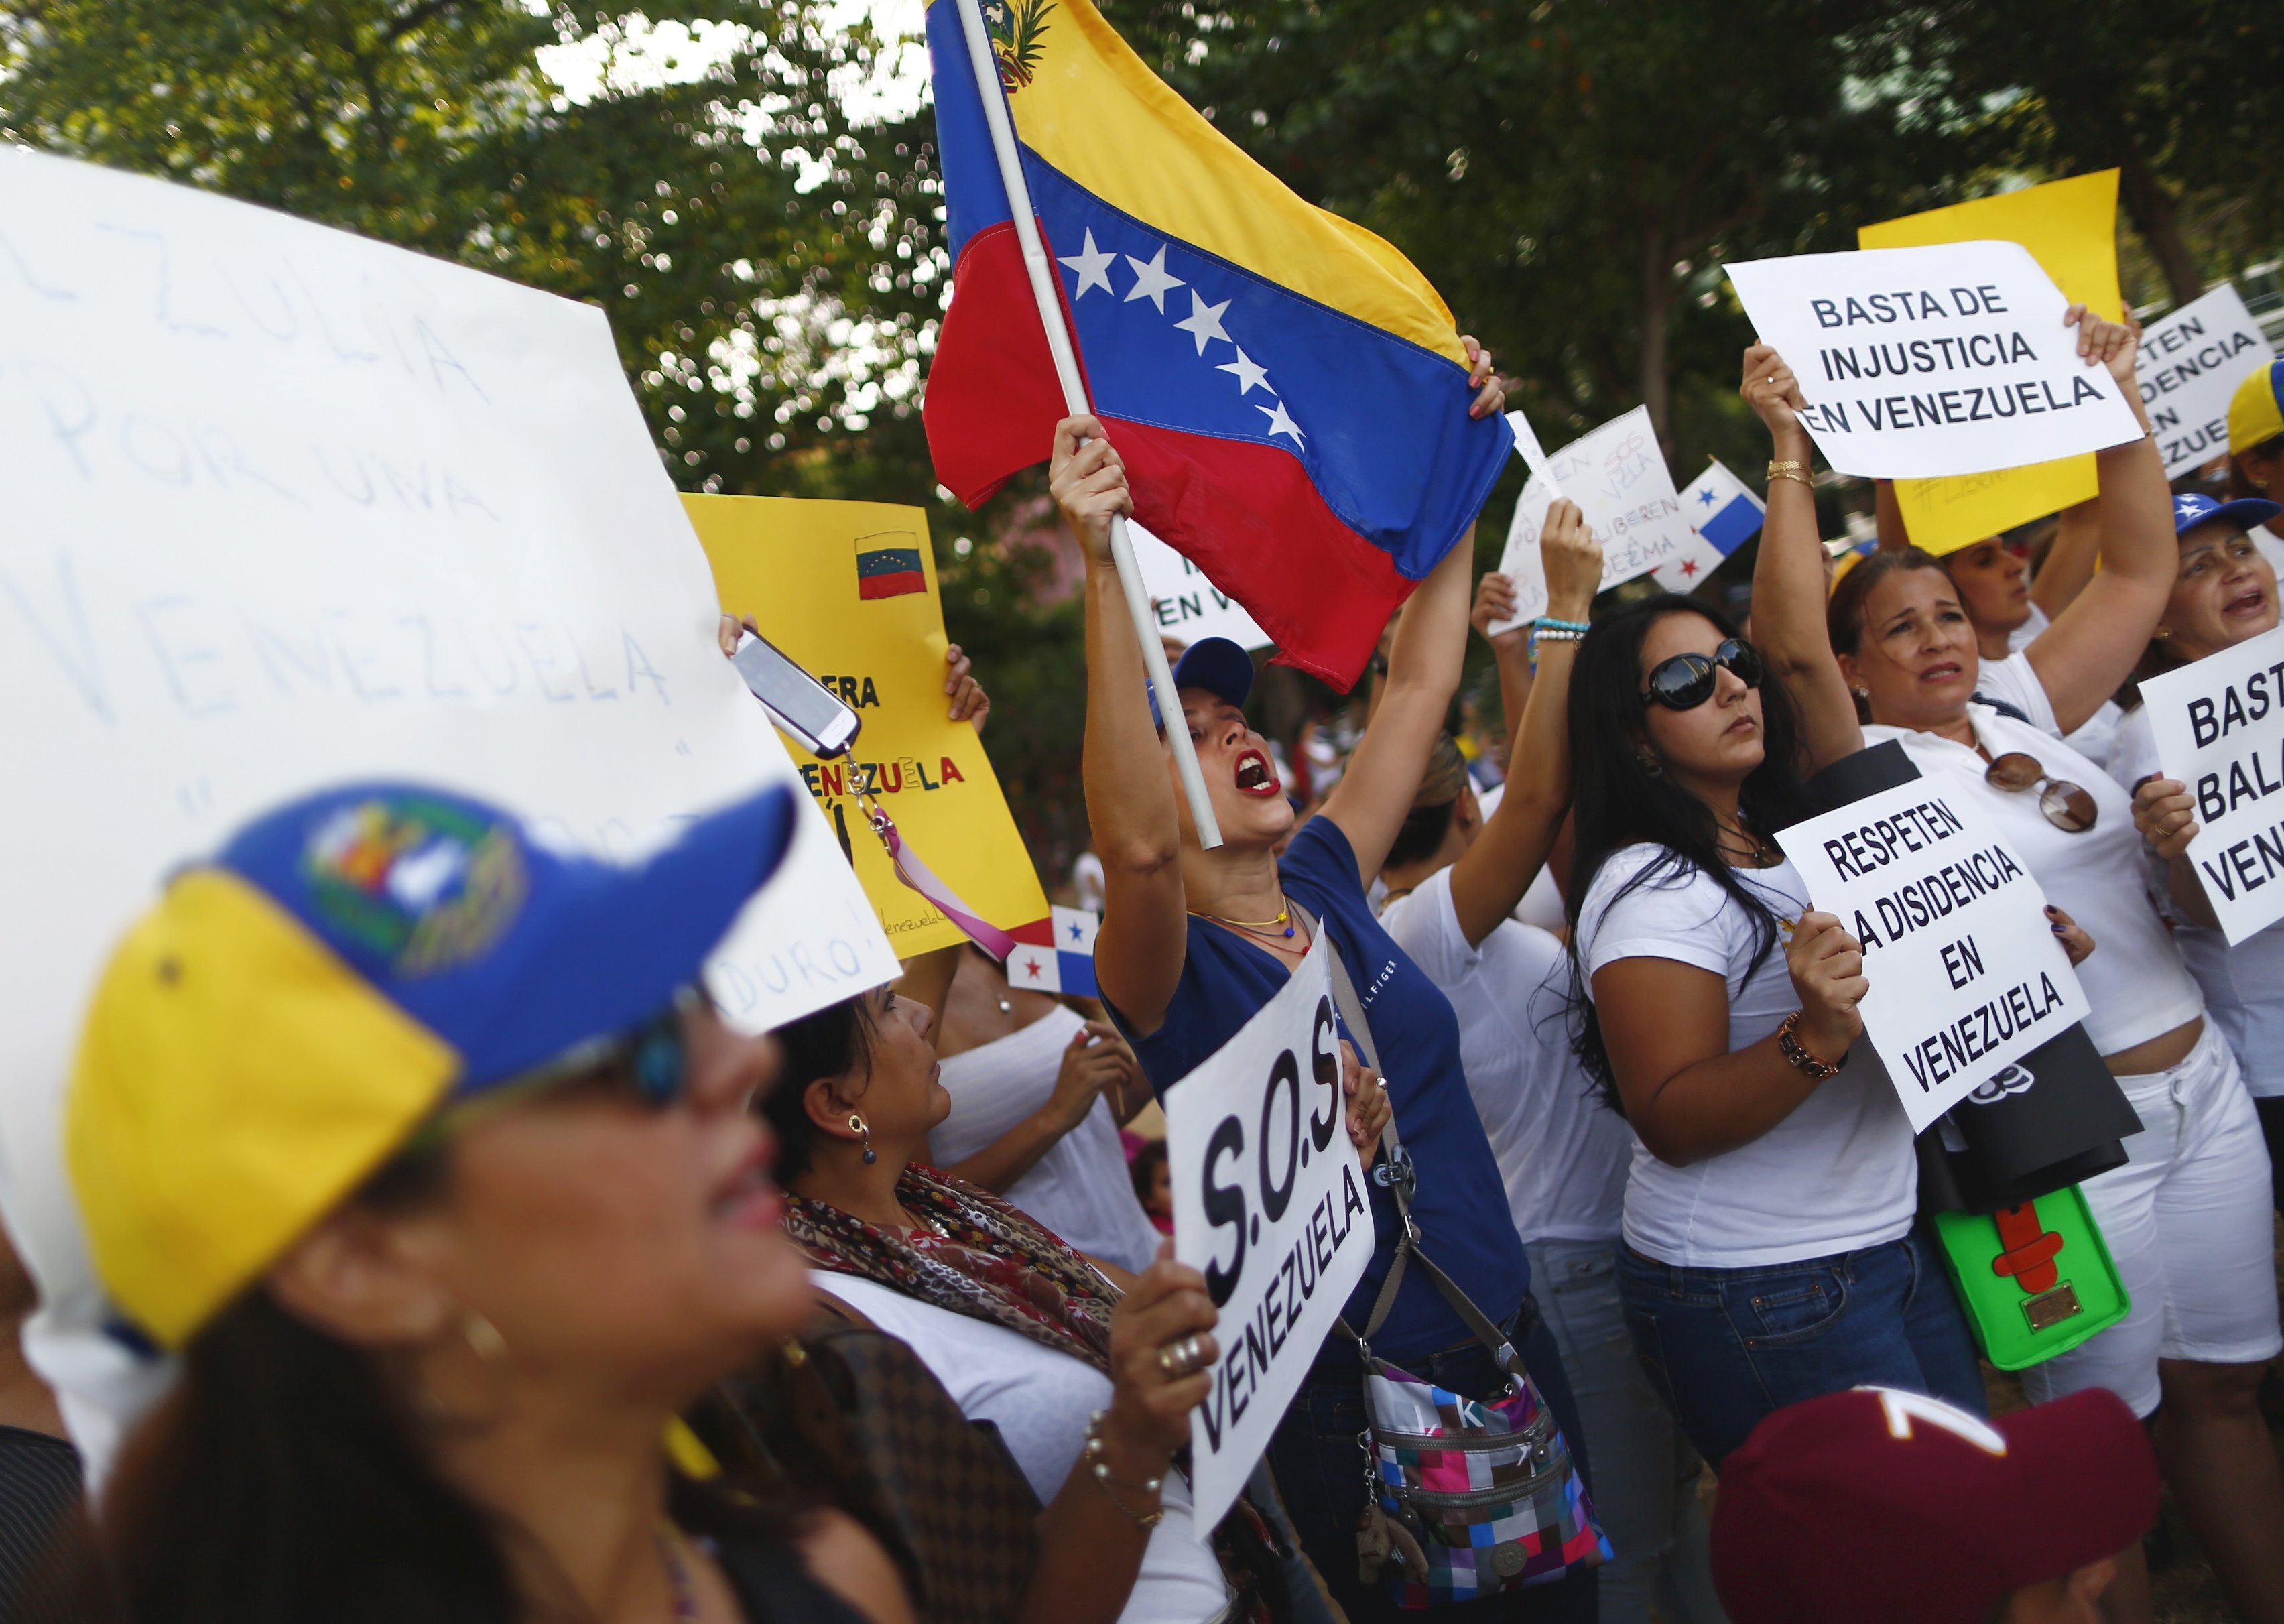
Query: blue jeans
pixel 1646 1475
pixel 1725 1347
pixel 1320 1471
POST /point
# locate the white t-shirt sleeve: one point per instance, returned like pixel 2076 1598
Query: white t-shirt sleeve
pixel 1425 924
pixel 1684 916
pixel 2016 680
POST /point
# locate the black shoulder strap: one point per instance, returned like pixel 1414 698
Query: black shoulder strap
pixel 2003 708
pixel 1396 1172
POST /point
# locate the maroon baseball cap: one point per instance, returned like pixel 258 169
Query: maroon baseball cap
pixel 1881 1506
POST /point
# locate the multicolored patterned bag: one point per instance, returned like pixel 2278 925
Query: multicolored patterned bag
pixel 1464 1497
pixel 1486 1492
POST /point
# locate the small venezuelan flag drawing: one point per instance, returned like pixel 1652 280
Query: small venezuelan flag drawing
pixel 885 569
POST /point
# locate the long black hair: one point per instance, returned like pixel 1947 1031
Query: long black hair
pixel 834 1041
pixel 1622 800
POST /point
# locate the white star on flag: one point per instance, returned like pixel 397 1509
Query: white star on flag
pixel 1280 423
pixel 1150 280
pixel 1093 267
pixel 1250 372
pixel 1204 324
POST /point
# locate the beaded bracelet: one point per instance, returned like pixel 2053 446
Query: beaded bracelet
pixel 1100 1468
pixel 1553 634
pixel 1546 621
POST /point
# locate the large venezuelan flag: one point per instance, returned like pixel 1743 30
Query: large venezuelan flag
pixel 1286 390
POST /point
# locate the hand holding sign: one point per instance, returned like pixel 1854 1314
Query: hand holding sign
pixel 1161 1358
pixel 1826 965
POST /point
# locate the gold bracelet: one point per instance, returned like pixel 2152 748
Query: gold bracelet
pixel 1099 1470
pixel 1776 468
pixel 1776 474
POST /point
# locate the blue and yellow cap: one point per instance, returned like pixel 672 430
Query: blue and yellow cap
pixel 2256 414
pixel 274 1028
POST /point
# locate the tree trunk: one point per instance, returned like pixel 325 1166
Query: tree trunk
pixel 1657 310
pixel 2157 214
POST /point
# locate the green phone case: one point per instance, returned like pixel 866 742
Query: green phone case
pixel 2017 1327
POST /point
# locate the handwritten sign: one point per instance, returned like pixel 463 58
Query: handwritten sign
pixel 2190 364
pixel 1966 977
pixel 1189 607
pixel 1618 477
pixel 1269 1203
pixel 2070 228
pixel 2219 728
pixel 849 590
pixel 286 506
pixel 1920 362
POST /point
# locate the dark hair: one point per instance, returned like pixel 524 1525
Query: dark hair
pixel 1843 612
pixel 1422 831
pixel 836 1041
pixel 2240 483
pixel 1619 802
pixel 1143 1168
pixel 282 1478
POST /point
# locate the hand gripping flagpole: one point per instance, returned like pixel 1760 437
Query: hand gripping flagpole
pixel 985 68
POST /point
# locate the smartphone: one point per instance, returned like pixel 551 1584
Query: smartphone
pixel 797 701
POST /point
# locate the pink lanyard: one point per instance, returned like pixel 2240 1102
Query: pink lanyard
pixel 921 878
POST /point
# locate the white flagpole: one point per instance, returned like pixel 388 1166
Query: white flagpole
pixel 985 68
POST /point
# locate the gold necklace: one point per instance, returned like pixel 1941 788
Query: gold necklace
pixel 1258 926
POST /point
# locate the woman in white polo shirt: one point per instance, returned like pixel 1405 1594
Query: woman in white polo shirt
pixel 2224 594
pixel 2187 1216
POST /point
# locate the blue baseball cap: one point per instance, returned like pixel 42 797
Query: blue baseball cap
pixel 292 1008
pixel 2191 511
pixel 1218 665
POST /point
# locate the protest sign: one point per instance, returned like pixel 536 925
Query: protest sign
pixel 1966 977
pixel 1190 607
pixel 2191 363
pixel 848 591
pixel 1920 362
pixel 289 506
pixel 2070 228
pixel 1269 1203
pixel 1618 477
pixel 2219 728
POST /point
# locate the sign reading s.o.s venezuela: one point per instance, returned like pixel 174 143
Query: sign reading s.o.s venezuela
pixel 848 591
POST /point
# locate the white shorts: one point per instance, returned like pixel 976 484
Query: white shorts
pixel 2188 1220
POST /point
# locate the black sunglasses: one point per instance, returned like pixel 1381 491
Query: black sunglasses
pixel 1685 681
pixel 652 1063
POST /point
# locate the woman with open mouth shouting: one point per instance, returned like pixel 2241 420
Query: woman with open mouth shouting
pixel 2187 1216
pixel 1194 942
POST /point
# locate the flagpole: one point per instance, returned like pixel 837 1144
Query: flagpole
pixel 985 68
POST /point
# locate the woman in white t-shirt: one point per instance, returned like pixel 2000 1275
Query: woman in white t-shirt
pixel 2187 1218
pixel 1770 1251
pixel 1037 1094
pixel 2225 593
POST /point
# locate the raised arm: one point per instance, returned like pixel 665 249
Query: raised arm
pixel 1788 592
pixel 2096 641
pixel 1491 875
pixel 1130 796
pixel 1374 795
pixel 1495 602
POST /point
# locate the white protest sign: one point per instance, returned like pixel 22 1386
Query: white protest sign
pixel 1269 1203
pixel 2190 364
pixel 1618 477
pixel 1967 975
pixel 2219 728
pixel 1189 607
pixel 1918 363
pixel 286 508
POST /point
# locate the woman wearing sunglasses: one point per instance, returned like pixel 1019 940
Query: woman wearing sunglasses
pixel 415 1143
pixel 2186 1219
pixel 1769 1251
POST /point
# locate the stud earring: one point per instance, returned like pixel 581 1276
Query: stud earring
pixel 1861 693
pixel 857 1125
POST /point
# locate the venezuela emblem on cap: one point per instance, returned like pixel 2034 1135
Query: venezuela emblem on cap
pixel 886 569
pixel 423 883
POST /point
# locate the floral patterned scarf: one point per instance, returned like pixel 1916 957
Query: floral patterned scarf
pixel 990 1263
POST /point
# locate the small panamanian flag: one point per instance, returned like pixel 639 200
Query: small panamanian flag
pixel 1056 955
pixel 885 569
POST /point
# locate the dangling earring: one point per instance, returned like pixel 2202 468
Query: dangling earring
pixel 856 1126
pixel 490 1348
pixel 1650 764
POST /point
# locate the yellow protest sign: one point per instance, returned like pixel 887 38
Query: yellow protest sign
pixel 2070 228
pixel 848 590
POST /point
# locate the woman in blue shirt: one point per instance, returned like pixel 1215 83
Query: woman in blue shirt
pixel 1194 942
